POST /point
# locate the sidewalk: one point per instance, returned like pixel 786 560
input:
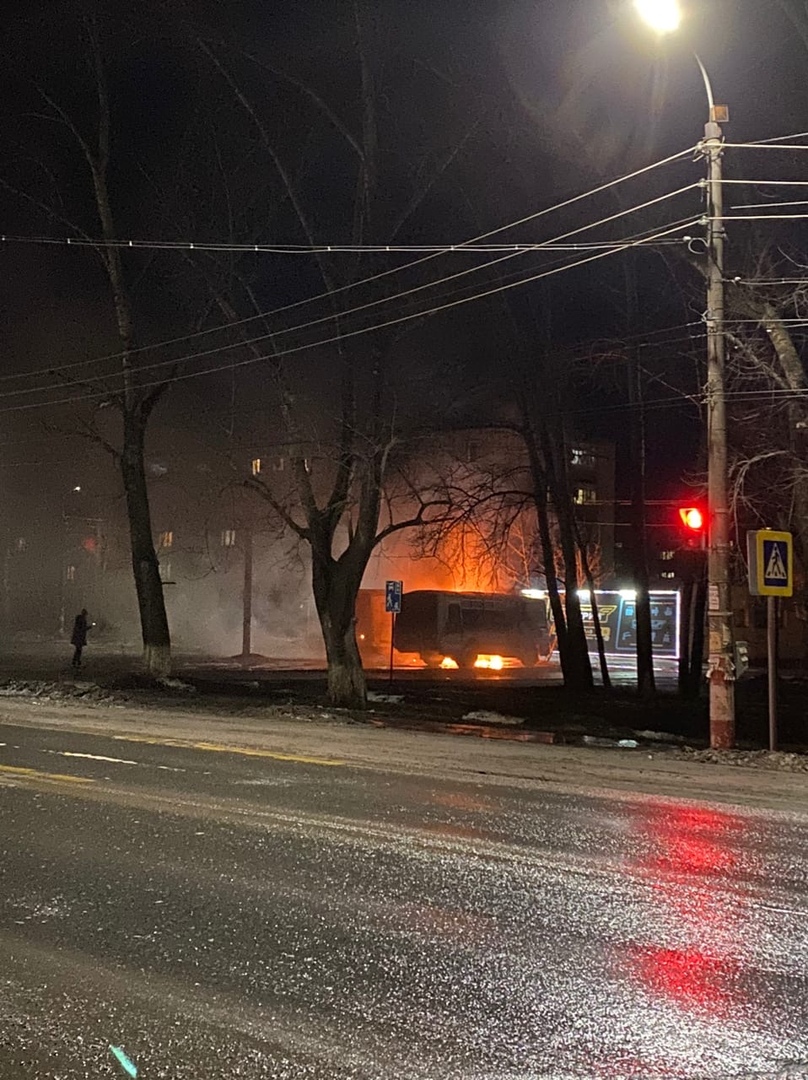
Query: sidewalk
pixel 328 736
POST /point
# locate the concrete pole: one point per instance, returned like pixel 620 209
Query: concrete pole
pixel 246 624
pixel 720 671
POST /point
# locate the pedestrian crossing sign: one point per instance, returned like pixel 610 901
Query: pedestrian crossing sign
pixel 771 563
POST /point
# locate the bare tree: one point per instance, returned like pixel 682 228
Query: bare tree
pixel 544 432
pixel 517 490
pixel 133 394
pixel 345 487
pixel 768 395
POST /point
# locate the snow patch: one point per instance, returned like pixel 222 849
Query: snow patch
pixel 486 716
pixel 168 683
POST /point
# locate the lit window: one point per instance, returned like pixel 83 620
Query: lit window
pixel 666 556
pixel 667 574
pixel 255 466
pixel 70 573
pixel 21 544
pixel 228 537
pixel 166 540
pixel 584 495
pixel 583 458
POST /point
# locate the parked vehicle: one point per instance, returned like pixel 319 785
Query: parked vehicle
pixel 443 626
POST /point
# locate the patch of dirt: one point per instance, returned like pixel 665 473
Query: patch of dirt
pixel 87 693
pixel 755 759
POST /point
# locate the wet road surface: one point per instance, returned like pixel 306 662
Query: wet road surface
pixel 217 914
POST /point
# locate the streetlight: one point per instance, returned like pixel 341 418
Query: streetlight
pixel 664 16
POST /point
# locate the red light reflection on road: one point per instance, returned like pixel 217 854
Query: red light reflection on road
pixel 688 840
pixel 682 847
pixel 689 977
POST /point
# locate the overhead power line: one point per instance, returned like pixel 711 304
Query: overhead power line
pixel 762 205
pixel 779 138
pixel 327 295
pixel 762 183
pixel 272 335
pixel 759 217
pixel 764 146
pixel 307 249
pixel 765 281
pixel 74 399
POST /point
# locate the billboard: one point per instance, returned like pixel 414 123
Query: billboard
pixel 617 613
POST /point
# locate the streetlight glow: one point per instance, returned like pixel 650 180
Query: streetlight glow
pixel 664 16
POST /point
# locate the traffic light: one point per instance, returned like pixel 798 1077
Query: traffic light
pixel 694 522
pixel 692 518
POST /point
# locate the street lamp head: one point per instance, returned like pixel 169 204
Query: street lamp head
pixel 664 16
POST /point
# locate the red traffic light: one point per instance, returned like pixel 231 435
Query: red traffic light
pixel 692 518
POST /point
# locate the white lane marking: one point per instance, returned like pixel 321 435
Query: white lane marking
pixel 114 760
pixel 92 757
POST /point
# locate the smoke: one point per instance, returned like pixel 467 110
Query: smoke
pixel 204 594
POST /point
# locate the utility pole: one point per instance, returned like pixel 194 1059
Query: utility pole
pixel 665 18
pixel 246 624
pixel 721 667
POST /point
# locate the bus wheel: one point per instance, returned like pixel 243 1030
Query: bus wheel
pixel 432 660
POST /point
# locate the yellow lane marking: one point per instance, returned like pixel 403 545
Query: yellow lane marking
pixel 36 774
pixel 222 748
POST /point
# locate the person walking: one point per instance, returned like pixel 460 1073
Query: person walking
pixel 79 637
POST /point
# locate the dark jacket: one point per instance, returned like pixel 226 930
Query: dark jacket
pixel 79 630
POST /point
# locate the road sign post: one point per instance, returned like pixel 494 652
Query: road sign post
pixel 771 574
pixel 393 592
pixel 771 650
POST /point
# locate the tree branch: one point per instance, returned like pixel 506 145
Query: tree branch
pixel 252 483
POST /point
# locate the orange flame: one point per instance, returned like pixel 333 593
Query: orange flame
pixel 493 663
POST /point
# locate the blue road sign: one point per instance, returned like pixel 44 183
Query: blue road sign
pixel 775 564
pixel 392 596
pixel 771 563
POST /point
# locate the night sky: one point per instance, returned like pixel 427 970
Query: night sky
pixel 532 102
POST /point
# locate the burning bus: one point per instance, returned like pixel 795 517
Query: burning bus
pixel 472 629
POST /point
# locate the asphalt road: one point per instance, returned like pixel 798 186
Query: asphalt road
pixel 215 914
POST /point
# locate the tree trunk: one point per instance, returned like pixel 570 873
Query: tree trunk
pixel 136 404
pixel 551 573
pixel 639 548
pixel 577 667
pixel 335 587
pixel 539 485
pixel 593 600
pixel 687 592
pixel 695 673
pixel 793 370
pixel 145 565
pixel 578 670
